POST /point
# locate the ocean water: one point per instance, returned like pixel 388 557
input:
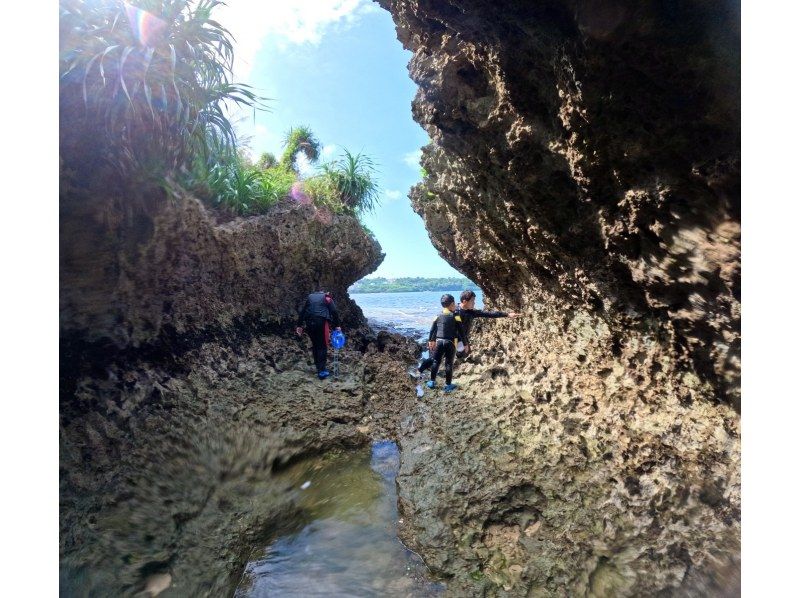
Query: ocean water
pixel 407 313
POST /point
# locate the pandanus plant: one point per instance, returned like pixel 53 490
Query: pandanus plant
pixel 152 77
pixel 353 177
pixel 299 140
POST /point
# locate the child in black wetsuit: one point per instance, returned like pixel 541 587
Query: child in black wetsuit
pixel 442 340
pixel 467 313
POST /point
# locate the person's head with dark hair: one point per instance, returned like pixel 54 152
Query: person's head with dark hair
pixel 448 301
pixel 468 299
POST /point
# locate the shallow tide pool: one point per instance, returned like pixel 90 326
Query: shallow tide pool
pixel 346 544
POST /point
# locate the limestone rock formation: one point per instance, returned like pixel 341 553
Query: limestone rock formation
pixel 131 276
pixel 184 388
pixel 583 168
pixel 168 465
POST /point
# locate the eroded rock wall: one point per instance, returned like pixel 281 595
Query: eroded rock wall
pixel 132 274
pixel 184 388
pixel 589 150
pixel 583 169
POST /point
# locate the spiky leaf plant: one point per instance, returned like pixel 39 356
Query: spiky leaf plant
pixel 297 140
pixel 323 191
pixel 353 177
pixel 276 183
pixel 147 81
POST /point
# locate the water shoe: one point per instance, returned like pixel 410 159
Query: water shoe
pixel 430 384
pixel 323 374
pixel 449 387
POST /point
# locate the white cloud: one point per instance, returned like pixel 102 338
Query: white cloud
pixel 328 151
pixel 392 195
pixel 304 167
pixel 413 158
pixel 287 21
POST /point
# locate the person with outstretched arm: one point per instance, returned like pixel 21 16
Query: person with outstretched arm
pixel 468 313
pixel 442 341
pixel 466 310
pixel 316 317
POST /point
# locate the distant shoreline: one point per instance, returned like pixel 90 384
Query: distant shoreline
pixel 443 289
pixel 410 285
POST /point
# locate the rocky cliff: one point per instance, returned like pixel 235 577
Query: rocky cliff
pixel 583 168
pixel 135 270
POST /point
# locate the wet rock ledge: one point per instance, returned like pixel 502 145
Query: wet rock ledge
pixel 584 169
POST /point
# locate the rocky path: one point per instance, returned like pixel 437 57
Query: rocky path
pixel 521 483
pixel 167 474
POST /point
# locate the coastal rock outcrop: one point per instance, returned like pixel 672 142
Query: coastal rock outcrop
pixel 583 169
pixel 168 467
pixel 134 275
pixel 184 389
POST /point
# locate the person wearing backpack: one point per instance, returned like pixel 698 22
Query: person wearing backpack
pixel 316 317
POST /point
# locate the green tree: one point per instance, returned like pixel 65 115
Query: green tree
pixel 266 160
pixel 297 140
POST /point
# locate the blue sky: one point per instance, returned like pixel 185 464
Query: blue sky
pixel 337 67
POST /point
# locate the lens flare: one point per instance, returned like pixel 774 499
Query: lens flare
pixel 299 195
pixel 147 28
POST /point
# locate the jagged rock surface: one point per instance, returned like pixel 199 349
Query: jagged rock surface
pixel 583 168
pixel 560 469
pixel 132 278
pixel 167 469
pixel 183 388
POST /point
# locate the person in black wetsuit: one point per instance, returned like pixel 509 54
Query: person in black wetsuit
pixel 442 340
pixel 468 313
pixel 317 315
